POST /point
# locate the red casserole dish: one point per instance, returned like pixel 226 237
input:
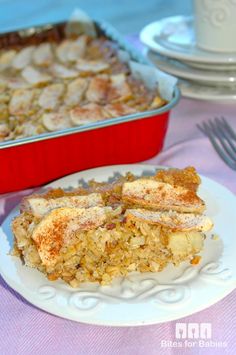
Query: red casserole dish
pixel 33 161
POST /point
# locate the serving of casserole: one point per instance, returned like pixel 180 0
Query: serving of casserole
pixel 61 89
pixel 111 229
pixel 52 86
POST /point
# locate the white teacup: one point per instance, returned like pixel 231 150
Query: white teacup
pixel 215 25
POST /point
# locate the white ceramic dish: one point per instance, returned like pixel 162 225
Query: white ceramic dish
pixel 184 71
pixel 214 67
pixel 140 298
pixel 215 26
pixel 174 38
pixel 197 90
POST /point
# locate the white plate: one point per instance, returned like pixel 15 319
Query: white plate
pixel 140 298
pixel 174 38
pixel 201 91
pixel 214 67
pixel 184 71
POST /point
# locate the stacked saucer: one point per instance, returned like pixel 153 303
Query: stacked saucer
pixel 202 75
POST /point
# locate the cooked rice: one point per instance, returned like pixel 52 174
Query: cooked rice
pixel 115 248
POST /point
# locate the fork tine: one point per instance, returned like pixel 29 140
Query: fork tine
pixel 228 127
pixel 219 150
pixel 207 126
pixel 222 130
pixel 228 147
pixel 230 143
pixel 213 127
pixel 221 153
pixel 209 129
pixel 232 146
pixel 220 123
pixel 202 129
pixel 223 138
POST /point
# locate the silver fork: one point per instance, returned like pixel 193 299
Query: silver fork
pixel 223 139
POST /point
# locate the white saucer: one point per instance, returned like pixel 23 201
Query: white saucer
pixel 174 37
pixel 183 71
pixel 214 67
pixel 195 90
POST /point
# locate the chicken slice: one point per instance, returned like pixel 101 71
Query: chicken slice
pixel 62 50
pixel 86 114
pixel 21 102
pixel 60 71
pixel 29 129
pixel 77 48
pixel 40 206
pixel 120 89
pixel 4 131
pixel 17 82
pixel 91 66
pixel 75 91
pixel 149 193
pixel 3 84
pixel 3 111
pixel 23 58
pixel 51 95
pixel 4 97
pixel 6 59
pixel 70 51
pixel 118 109
pixel 43 55
pixel 58 229
pixel 55 121
pixel 34 76
pixel 171 219
pixel 98 89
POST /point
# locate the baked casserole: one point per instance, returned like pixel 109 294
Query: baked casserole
pixel 105 230
pixel 56 85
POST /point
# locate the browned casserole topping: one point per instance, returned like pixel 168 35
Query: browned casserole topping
pixel 111 229
pixel 51 86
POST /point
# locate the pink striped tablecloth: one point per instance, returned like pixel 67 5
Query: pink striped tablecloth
pixel 25 329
